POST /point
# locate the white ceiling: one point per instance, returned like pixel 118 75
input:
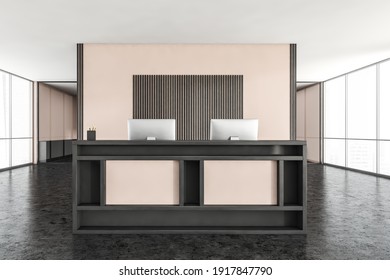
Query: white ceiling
pixel 67 87
pixel 38 38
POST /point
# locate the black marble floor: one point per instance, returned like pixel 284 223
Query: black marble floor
pixel 348 218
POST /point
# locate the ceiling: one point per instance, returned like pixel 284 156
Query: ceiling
pixel 67 87
pixel 38 38
pixel 300 85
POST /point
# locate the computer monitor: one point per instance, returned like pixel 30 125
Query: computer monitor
pixel 151 129
pixel 234 129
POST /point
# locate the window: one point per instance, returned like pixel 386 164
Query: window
pixel 362 155
pixel 5 158
pixel 384 101
pixel 21 108
pixel 334 121
pixel 334 100
pixel 4 106
pixel 334 151
pixel 361 104
pixel 384 157
pixel 356 119
pixel 15 121
pixel 21 151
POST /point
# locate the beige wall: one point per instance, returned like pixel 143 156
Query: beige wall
pixel 57 114
pixel 44 113
pixel 308 120
pixel 108 71
pixel 301 111
pixel 68 116
pixel 107 81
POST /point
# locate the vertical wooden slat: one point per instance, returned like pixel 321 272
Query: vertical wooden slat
pixel 193 100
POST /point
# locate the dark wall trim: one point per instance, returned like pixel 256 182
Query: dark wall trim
pixel 322 123
pixel 293 91
pixel 38 112
pixel 80 94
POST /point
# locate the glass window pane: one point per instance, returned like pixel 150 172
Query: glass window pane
pixel 334 151
pixel 384 117
pixel 21 99
pixel 4 153
pixel 362 104
pixel 21 151
pixel 384 157
pixel 362 155
pixel 334 108
pixel 4 105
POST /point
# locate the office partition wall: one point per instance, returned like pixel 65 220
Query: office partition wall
pixel 108 71
pixel 308 120
pixel 356 117
pixel 15 121
pixel 57 114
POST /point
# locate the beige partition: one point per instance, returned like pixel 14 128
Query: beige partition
pixel 74 119
pixel 68 117
pixel 313 123
pixel 301 111
pixel 57 114
pixel 109 70
pixel 142 182
pixel 308 120
pixel 44 113
pixel 240 182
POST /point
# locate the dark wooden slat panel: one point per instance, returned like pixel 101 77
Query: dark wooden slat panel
pixel 193 100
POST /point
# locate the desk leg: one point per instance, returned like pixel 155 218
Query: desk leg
pixel 102 183
pixel 182 176
pixel 281 182
pixel 201 183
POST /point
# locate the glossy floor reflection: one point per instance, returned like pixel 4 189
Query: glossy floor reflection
pixel 348 218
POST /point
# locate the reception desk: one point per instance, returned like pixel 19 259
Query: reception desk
pixel 189 187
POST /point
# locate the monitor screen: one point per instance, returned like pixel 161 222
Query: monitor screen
pixel 234 129
pixel 151 129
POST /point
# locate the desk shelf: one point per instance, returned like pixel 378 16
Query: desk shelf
pixel 188 230
pixel 93 207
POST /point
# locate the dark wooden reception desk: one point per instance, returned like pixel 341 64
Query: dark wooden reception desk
pixel 93 214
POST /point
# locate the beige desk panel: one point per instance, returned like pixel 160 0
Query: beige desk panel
pixel 240 182
pixel 142 182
